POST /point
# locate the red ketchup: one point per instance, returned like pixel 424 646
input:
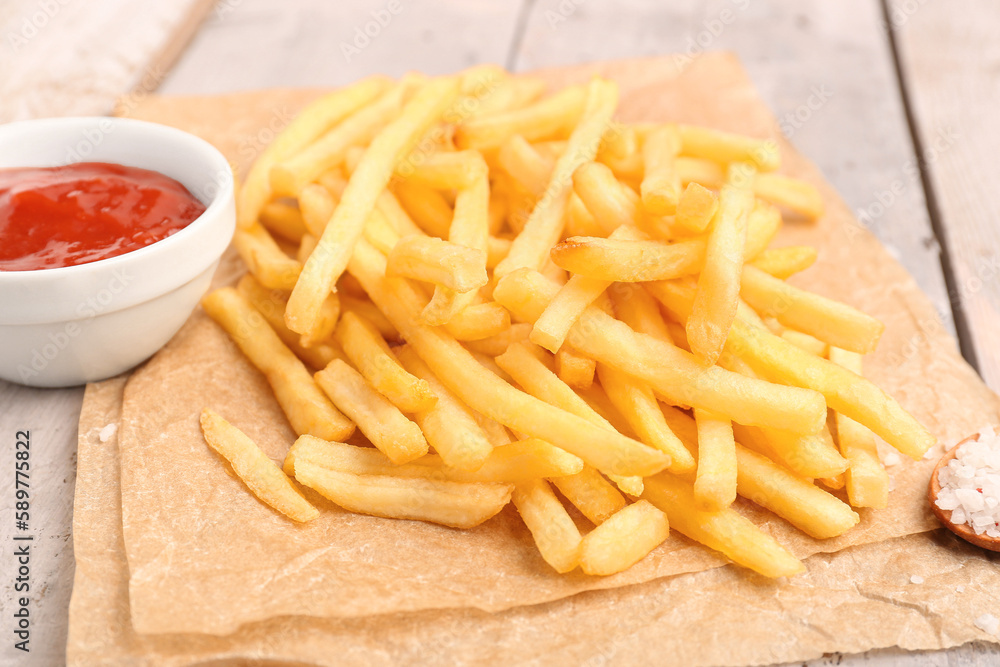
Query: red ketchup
pixel 63 216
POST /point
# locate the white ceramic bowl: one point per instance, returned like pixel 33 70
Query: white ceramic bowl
pixel 76 324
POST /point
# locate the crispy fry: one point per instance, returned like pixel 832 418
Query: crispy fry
pixel 328 261
pixel 293 173
pixel 830 321
pixel 428 208
pixel 628 260
pixel 449 425
pixel 317 204
pixel 265 259
pixel 544 226
pixel 556 536
pixel 723 530
pixel 546 118
pixel 695 208
pixel 283 219
pixel 725 147
pixel 661 186
pixel 479 321
pixel 485 392
pixel 590 493
pixel 611 204
pixel 257 471
pixel 637 308
pixel 624 539
pixel 526 165
pixel 845 392
pixel 381 421
pixel 575 369
pixel 371 355
pixel 669 370
pixel 307 409
pixel 309 124
pixel 715 483
pixel 719 283
pixel 455 504
pixel 784 262
pixel 866 480
pixel 432 260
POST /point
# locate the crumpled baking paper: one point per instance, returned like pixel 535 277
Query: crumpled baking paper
pixel 203 556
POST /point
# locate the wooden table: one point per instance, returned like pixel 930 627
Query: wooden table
pixel 894 100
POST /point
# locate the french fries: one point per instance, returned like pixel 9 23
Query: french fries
pixel 258 472
pixel 588 306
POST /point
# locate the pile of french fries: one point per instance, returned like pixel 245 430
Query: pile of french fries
pixel 466 291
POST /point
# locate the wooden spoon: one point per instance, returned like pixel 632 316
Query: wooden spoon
pixel 963 530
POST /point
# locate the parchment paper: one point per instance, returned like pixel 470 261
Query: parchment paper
pixel 206 557
pixel 854 600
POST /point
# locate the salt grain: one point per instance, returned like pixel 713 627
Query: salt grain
pixel 916 579
pixel 988 623
pixel 107 432
pixel 891 459
pixel 970 485
pixel 960 589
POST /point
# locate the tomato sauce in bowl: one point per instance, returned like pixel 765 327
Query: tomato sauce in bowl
pixel 53 217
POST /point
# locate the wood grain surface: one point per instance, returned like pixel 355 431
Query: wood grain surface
pixel 828 69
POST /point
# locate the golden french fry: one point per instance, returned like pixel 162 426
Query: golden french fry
pixel 590 493
pixel 545 118
pixel 498 344
pixel 661 186
pixel 793 194
pixel 449 425
pixel 271 304
pixel 283 219
pixel 453 170
pixel 257 471
pixel 381 421
pixel 574 369
pixel 469 228
pixel 866 480
pixel 427 207
pixel 611 204
pixel 265 259
pixel 479 321
pixel 506 95
pixel 293 173
pixel 623 539
pixel 579 220
pixel 718 289
pixel 525 164
pixel 555 534
pixel 784 262
pixel 544 226
pixel 637 308
pixel 626 260
pixel 669 370
pixel 715 482
pixel 725 147
pixel 831 321
pixel 845 392
pixel 807 507
pixel 393 144
pixel 485 392
pixel 695 208
pixel 432 260
pixel 455 504
pixel 763 225
pixel 636 402
pixel 371 313
pixel 724 530
pixel 307 409
pixel 370 354
pixel 805 342
pixel 309 124
pixel 519 461
pixel 317 204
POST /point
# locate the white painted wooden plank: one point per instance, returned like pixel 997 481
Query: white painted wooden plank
pixel 950 59
pixel 824 68
pixel 250 44
pixel 51 416
pixel 61 58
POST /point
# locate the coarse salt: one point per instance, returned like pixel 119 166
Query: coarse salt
pixel 916 579
pixel 970 485
pixel 107 432
pixel 891 459
pixel 988 623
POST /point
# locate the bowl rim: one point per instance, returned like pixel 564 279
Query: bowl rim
pixel 213 208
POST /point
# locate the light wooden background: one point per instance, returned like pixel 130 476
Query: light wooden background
pixel 894 99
